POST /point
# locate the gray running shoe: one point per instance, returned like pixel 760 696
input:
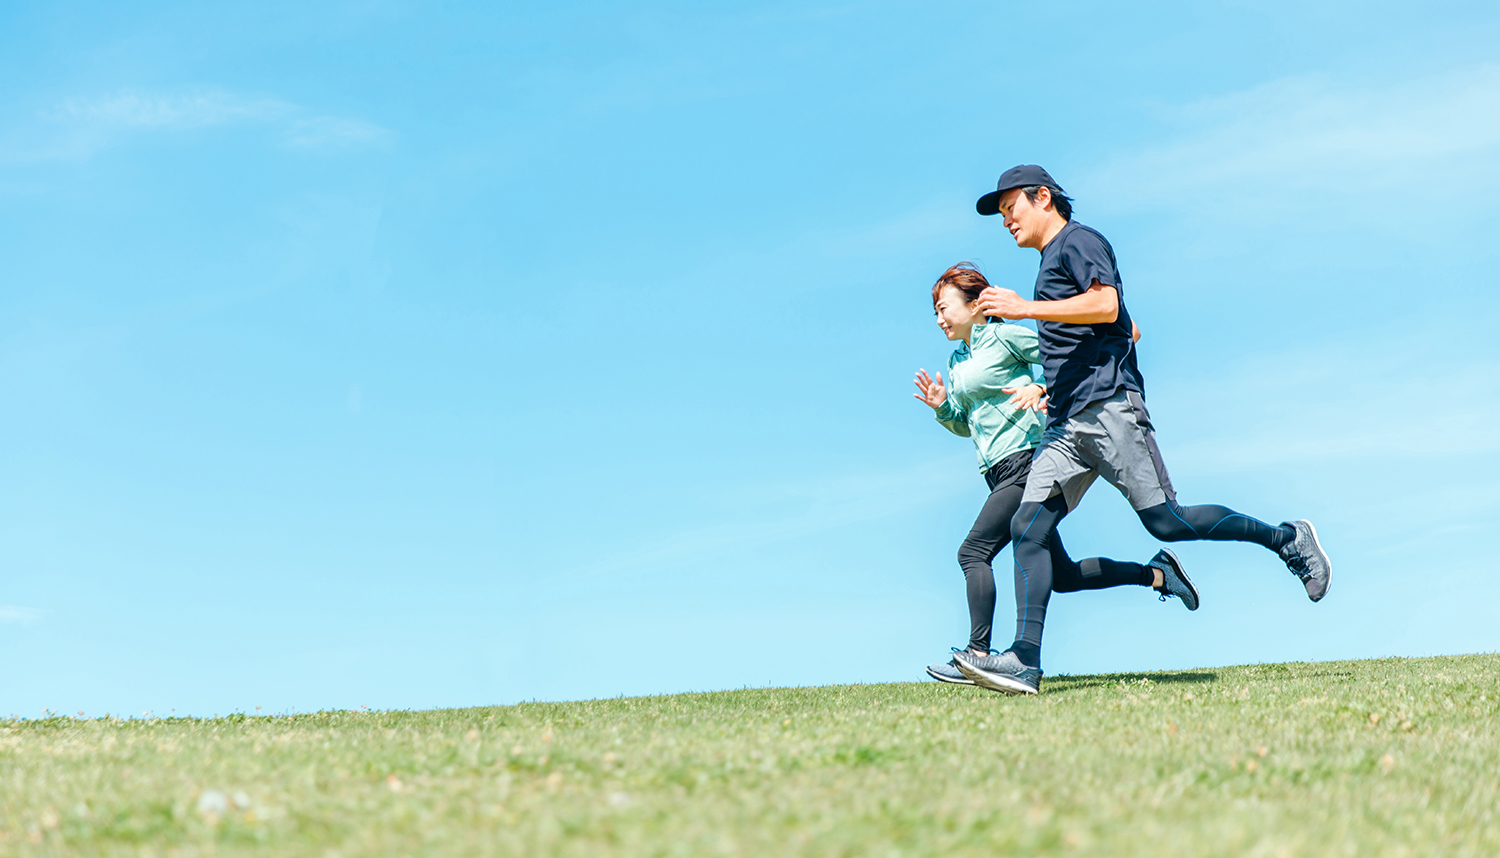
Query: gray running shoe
pixel 1307 560
pixel 1002 672
pixel 948 672
pixel 1174 581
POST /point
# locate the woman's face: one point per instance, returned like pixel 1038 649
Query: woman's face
pixel 955 314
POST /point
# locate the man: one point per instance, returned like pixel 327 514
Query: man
pixel 1097 421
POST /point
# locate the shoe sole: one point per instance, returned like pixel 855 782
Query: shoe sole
pixel 996 681
pixel 1318 547
pixel 948 679
pixel 1181 573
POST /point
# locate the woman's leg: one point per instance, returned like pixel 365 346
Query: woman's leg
pixel 990 534
pixel 1093 573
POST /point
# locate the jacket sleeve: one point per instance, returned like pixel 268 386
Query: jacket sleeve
pixel 955 420
pixel 1022 342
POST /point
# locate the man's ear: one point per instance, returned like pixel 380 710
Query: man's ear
pixel 1044 197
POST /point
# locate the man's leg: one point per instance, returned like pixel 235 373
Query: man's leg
pixel 1034 530
pixel 1136 468
pixel 989 536
pixel 1043 567
pixel 1059 476
pixel 1063 469
pixel 1172 523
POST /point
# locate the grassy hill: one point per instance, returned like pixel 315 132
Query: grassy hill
pixel 1367 758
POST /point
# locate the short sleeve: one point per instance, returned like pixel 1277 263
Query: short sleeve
pixel 1087 257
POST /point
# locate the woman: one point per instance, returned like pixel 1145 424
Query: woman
pixel 992 398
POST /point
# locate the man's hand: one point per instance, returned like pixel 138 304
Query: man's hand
pixel 1004 303
pixel 1100 303
pixel 931 390
pixel 1027 397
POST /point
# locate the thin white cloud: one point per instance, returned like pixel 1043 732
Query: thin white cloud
pixel 1364 409
pixel 80 127
pixel 132 110
pixel 1314 134
pixel 19 615
pixel 937 219
pixel 333 131
pixel 802 507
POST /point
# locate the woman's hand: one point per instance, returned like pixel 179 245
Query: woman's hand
pixel 1027 397
pixel 931 390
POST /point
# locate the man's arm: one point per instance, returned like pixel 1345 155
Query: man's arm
pixel 1099 305
pixel 1135 333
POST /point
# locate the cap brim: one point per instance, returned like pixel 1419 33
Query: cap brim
pixel 989 203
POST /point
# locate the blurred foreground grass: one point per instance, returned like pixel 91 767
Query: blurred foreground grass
pixel 1367 758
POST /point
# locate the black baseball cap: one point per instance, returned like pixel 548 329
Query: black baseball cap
pixel 1024 176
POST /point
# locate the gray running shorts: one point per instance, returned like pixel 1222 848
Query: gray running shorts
pixel 1111 438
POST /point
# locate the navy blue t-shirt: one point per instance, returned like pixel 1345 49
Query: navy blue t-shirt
pixel 1083 363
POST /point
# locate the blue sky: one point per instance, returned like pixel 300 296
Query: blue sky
pixel 408 355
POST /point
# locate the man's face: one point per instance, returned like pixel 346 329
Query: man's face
pixel 1025 219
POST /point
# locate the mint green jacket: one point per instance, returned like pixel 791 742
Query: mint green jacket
pixel 997 356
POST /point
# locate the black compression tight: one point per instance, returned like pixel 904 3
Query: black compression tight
pixel 991 533
pixel 1034 530
pixel 1172 523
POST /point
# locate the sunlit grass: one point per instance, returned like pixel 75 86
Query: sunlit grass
pixel 1391 757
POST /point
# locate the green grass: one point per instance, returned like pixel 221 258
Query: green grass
pixel 1367 758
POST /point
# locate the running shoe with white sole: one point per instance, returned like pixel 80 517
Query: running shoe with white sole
pixel 948 672
pixel 1174 580
pixel 1307 559
pixel 1002 672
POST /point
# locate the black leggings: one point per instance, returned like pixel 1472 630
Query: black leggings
pixel 1034 530
pixel 992 532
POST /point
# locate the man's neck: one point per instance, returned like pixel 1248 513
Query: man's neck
pixel 1055 225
